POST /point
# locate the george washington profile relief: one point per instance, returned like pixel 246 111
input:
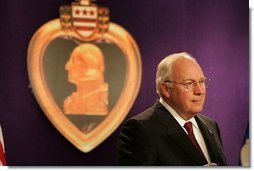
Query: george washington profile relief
pixel 85 69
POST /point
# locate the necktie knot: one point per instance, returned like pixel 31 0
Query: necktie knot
pixel 188 127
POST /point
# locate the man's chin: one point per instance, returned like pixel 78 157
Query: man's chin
pixel 197 110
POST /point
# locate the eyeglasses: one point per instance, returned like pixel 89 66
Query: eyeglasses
pixel 191 84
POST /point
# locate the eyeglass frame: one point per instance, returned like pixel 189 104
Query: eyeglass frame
pixel 192 81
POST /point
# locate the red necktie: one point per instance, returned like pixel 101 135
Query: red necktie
pixel 2 155
pixel 188 127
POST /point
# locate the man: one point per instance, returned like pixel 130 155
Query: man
pixel 163 134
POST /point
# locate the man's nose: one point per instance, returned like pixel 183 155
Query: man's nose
pixel 198 90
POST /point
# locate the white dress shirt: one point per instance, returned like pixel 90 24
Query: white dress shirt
pixel 196 129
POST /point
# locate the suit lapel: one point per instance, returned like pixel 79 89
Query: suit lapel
pixel 209 138
pixel 178 136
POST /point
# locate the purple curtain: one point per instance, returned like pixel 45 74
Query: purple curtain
pixel 215 32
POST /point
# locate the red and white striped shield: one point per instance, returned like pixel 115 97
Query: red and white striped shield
pixel 84 19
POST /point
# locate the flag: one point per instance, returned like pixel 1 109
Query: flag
pixel 2 151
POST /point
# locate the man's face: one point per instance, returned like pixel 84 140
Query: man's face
pixel 186 103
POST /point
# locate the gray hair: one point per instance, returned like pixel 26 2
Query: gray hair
pixel 164 68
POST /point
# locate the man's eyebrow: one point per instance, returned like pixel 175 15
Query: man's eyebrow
pixel 194 79
pixel 186 80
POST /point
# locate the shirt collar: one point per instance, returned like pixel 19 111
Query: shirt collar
pixel 179 119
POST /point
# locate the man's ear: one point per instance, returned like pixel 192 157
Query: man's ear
pixel 165 90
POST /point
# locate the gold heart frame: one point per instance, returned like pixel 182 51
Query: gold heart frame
pixel 37 67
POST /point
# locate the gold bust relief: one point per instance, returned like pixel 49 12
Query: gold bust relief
pixel 86 70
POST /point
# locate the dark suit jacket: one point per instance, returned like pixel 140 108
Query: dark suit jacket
pixel 154 137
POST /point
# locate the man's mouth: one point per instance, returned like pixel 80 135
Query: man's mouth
pixel 196 100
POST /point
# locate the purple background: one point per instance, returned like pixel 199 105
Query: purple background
pixel 216 32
